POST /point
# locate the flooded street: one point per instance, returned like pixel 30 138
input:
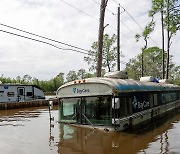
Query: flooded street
pixel 29 131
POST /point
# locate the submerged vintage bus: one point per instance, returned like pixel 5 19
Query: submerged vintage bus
pixel 112 103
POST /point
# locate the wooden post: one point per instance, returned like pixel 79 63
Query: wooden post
pixel 100 36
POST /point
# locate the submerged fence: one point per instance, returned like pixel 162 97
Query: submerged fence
pixel 26 104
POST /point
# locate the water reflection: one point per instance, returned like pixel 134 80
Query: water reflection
pixel 11 117
pixel 75 140
pixel 51 137
pixel 31 131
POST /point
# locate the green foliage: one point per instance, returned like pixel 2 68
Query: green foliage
pixel 157 6
pixel 109 54
pixel 176 81
pixel 133 68
pixel 152 64
pixel 137 37
pixel 175 73
pixel 148 29
pixel 145 34
pixel 172 16
pixel 48 85
pixel 81 74
pixel 170 10
pixel 71 76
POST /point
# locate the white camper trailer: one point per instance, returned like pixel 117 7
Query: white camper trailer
pixel 20 93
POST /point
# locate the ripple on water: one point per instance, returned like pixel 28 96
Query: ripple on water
pixel 30 131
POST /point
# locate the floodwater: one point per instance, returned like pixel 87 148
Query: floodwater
pixel 29 131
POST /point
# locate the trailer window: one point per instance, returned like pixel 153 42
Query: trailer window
pixel 10 94
pixel 29 93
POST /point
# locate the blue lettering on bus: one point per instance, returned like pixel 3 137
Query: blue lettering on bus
pixel 140 105
pixel 74 90
pixel 80 91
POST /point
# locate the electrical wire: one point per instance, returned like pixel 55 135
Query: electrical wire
pixel 42 37
pixel 78 9
pixel 134 20
pixel 43 42
pixel 47 43
pixel 106 8
pixel 92 16
pixel 87 13
pixel 116 15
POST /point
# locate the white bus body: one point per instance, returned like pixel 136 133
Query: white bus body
pixel 115 103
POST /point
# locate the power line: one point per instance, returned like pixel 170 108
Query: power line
pixel 126 26
pixel 86 13
pixel 106 8
pixel 46 37
pixel 50 44
pixel 128 14
pixel 133 19
pixel 90 15
pixel 42 37
pixel 47 43
pixel 43 42
pixel 79 10
pixel 114 14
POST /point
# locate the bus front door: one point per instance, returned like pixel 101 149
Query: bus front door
pixel 80 112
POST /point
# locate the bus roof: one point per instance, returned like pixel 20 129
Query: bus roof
pixel 108 86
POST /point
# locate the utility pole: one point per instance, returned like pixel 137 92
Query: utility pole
pixel 118 40
pixel 100 36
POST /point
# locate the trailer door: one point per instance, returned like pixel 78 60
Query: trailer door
pixel 21 94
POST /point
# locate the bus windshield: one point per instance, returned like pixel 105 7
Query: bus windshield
pixel 86 110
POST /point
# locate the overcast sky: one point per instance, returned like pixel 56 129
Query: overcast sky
pixel 57 20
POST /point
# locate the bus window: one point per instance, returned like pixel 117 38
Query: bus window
pixel 69 109
pixel 97 110
pixel 115 107
pixel 128 106
pixel 122 107
pixel 151 100
pixel 155 100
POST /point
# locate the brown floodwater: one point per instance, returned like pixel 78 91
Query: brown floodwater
pixel 29 131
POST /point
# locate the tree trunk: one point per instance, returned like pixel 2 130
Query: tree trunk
pixel 142 64
pixel 168 42
pixel 109 69
pixel 168 47
pixel 162 27
pixel 142 59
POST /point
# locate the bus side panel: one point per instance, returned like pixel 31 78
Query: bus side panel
pixel 140 101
